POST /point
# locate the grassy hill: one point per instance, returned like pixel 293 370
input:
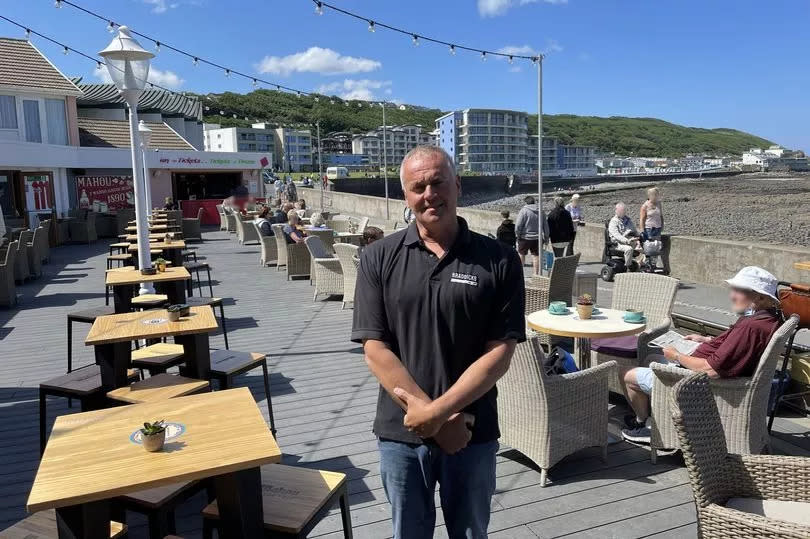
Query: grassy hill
pixel 624 136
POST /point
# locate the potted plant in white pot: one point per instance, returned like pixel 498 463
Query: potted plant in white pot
pixel 175 312
pixel 153 436
pixel 585 306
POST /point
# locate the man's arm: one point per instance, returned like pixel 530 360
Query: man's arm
pixel 642 218
pixel 520 223
pixel 697 364
pixel 613 232
pixel 390 371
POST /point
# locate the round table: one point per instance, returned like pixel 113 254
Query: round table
pixel 608 323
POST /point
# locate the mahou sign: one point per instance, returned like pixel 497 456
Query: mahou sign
pixel 114 191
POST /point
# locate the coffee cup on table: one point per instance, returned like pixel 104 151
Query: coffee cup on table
pixel 558 307
pixel 633 315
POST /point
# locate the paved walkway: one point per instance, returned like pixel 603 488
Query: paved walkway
pixel 324 400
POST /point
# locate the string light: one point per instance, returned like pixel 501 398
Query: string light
pixel 483 56
pixel 65 50
pixel 453 50
pixel 319 8
pixel 416 40
pixel 111 27
pixel 195 61
pixel 371 26
pixel 511 60
pixel 27 34
pixel 99 66
pixel 227 73
pixel 57 4
pixel 255 84
pixel 157 46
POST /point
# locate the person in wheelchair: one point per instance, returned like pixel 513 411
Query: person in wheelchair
pixel 624 234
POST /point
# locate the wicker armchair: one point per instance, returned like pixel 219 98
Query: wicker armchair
pixel 550 417
pixel 249 233
pixel 327 237
pixel 294 257
pixel 34 258
pixel 230 222
pixel 325 268
pixel 223 221
pixel 362 224
pixel 21 270
pixel 44 246
pixel 191 228
pixel 736 495
pixel 346 254
pixel 558 286
pixel 651 293
pixel 8 290
pixel 175 218
pixel 741 402
pixel 339 225
pixel 269 253
pixel 83 228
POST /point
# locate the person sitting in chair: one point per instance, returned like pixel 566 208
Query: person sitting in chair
pixel 733 353
pixel 292 233
pixel 263 221
pixel 623 232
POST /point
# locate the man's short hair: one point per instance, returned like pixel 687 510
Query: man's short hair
pixel 505 214
pixel 529 200
pixel 424 151
pixel 621 205
pixel 559 201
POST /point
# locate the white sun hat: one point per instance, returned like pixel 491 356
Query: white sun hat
pixel 575 195
pixel 755 279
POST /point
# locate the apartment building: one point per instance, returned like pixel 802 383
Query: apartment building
pixel 239 139
pixel 561 159
pixel 399 140
pixel 293 149
pixel 337 142
pixel 485 140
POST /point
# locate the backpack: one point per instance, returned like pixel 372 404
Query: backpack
pixel 559 362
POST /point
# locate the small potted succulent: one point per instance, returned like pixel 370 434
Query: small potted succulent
pixel 584 306
pixel 169 237
pixel 160 264
pixel 153 436
pixel 175 312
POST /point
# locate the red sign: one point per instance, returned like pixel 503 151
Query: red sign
pixel 115 192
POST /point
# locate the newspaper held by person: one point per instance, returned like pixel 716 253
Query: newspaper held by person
pixel 677 341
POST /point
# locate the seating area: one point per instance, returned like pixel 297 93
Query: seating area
pixel 562 469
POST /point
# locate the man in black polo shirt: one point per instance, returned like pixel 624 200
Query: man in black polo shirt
pixel 439 309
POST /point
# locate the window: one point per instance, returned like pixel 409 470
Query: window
pixel 33 132
pixel 8 112
pixel 55 117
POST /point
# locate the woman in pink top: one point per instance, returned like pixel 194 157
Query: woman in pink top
pixel 652 218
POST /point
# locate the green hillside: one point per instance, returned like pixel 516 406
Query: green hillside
pixel 624 136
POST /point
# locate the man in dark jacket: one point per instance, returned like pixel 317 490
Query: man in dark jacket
pixel 560 228
pixel 506 231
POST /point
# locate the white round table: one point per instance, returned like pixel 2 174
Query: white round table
pixel 608 323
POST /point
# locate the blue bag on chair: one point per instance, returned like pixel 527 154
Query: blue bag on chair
pixel 559 361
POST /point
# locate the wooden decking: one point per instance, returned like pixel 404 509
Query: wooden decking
pixel 324 401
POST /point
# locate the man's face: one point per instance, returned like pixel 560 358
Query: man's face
pixel 740 300
pixel 431 189
pixel 620 211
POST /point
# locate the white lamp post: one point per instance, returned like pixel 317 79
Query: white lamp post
pixel 146 136
pixel 128 65
pixel 540 155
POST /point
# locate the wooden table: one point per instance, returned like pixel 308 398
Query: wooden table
pixel 349 237
pixel 90 459
pixel 152 228
pixel 123 280
pixel 608 323
pixel 158 221
pixel 112 338
pixel 134 237
pixel 805 265
pixel 173 251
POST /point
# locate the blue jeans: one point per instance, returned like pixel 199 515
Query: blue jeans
pixel 467 481
pixel 653 233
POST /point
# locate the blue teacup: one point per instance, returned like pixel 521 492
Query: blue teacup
pixel 558 307
pixel 632 315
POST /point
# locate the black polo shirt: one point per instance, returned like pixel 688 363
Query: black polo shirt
pixel 437 315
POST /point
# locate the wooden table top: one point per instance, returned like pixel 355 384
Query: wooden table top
pixel 158 387
pixel 158 221
pixel 90 457
pixel 130 275
pixel 608 323
pixel 153 228
pixel 175 244
pixel 804 265
pixel 134 237
pixel 151 324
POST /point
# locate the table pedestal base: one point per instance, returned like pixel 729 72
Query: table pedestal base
pixel 197 355
pixel 114 360
pixel 239 500
pixel 85 521
pixel 582 353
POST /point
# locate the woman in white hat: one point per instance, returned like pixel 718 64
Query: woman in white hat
pixel 575 210
pixel 733 353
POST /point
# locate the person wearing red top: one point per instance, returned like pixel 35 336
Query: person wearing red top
pixel 733 353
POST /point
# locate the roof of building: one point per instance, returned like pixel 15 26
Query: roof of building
pixel 99 133
pixel 23 67
pixel 151 98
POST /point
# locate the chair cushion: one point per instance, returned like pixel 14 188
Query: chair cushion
pixel 796 512
pixel 617 346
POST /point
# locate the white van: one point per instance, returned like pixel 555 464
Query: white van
pixel 335 173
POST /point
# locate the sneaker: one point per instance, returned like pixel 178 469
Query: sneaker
pixel 639 435
pixel 631 423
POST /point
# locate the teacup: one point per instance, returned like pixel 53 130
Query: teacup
pixel 558 307
pixel 632 315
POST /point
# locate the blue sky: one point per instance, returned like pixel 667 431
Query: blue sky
pixel 740 64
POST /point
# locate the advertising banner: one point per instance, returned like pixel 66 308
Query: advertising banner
pixel 105 192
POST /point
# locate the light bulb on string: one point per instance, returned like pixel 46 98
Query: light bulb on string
pixel 483 56
pixel 415 40
pixel 453 50
pixel 99 66
pixel 157 46
pixel 255 84
pixel 371 26
pixel 511 60
pixel 319 8
pixel 65 50
pixel 28 33
pixel 227 73
pixel 57 4
pixel 195 61
pixel 111 27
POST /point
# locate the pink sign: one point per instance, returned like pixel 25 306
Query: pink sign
pixel 115 192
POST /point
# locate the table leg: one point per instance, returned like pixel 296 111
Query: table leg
pixel 582 353
pixel 175 256
pixel 85 521
pixel 239 500
pixel 174 290
pixel 198 357
pixel 114 360
pixel 122 298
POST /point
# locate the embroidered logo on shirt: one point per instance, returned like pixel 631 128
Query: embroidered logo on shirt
pixel 464 278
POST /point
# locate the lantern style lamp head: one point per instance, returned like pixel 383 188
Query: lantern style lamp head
pixel 145 133
pixel 127 63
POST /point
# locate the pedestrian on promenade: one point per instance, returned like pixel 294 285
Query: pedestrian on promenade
pixel 439 310
pixel 527 228
pixel 623 232
pixel 560 228
pixel 506 231
pixel 651 220
pixel 575 209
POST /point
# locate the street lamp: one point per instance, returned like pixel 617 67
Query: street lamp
pixel 146 136
pixel 128 66
pixel 540 155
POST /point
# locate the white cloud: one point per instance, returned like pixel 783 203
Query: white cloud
pixel 518 50
pixel 167 79
pixel 494 8
pixel 552 45
pixel 161 6
pixel 355 88
pixel 316 60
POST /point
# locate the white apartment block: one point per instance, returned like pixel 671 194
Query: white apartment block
pixel 293 149
pixel 491 140
pixel 238 139
pixel 561 159
pixel 399 140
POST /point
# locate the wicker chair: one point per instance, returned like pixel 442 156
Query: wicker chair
pixel 651 293
pixel 8 290
pixel 34 258
pixel 558 286
pixel 249 233
pixel 45 244
pixel 736 495
pixel 122 219
pixel 327 237
pixel 741 402
pixel 269 253
pixel 294 257
pixel 21 270
pixel 175 218
pixel 325 268
pixel 340 225
pixel 230 220
pixel 191 228
pixel 223 221
pixel 362 224
pixel 83 227
pixel 550 417
pixel 346 253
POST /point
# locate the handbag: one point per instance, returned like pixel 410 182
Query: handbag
pixel 796 300
pixel 559 361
